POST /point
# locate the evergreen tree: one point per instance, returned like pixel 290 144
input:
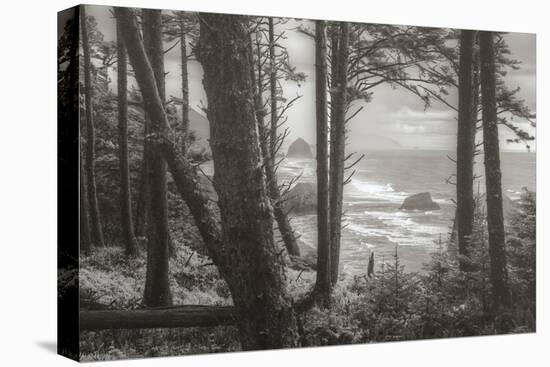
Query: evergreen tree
pixel 267 318
pixel 323 282
pixel 125 193
pixel 337 148
pixel 465 146
pixel 265 315
pixel 521 244
pixel 157 284
pixel 270 139
pixel 495 217
pixel 95 217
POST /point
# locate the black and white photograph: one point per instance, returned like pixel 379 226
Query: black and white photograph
pixel 248 182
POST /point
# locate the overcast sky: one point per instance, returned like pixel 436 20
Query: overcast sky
pixel 392 114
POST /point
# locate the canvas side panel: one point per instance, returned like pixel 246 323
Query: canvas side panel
pixel 68 183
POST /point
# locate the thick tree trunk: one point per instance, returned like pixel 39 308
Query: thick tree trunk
pixel 465 148
pixel 125 192
pixel 248 259
pixel 266 316
pixel 95 217
pixel 157 285
pixel 337 148
pixel 283 223
pixel 323 281
pixel 184 87
pixel 495 218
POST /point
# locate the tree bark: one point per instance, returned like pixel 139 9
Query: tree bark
pixel 248 259
pixel 258 284
pixel 495 218
pixel 334 32
pixel 95 217
pixel 323 281
pixel 184 87
pixel 85 237
pixel 125 192
pixel 337 148
pixel 157 285
pixel 144 194
pixel 465 148
pixel 283 223
pixel 272 90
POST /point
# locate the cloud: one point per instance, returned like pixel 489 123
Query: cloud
pixel 429 122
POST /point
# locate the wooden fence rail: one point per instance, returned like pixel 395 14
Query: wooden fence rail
pixel 166 317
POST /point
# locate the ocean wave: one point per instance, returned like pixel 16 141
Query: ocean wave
pixel 514 194
pixel 396 227
pixel 369 187
pixel 365 190
pixel 441 201
pixel 358 228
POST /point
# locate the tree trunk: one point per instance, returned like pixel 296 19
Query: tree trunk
pixel 266 316
pixel 144 193
pixel 95 217
pixel 183 172
pixel 495 218
pixel 283 223
pixel 334 32
pixel 85 237
pixel 337 149
pixel 125 192
pixel 465 148
pixel 273 135
pixel 323 281
pixel 248 259
pixel 184 88
pixel 157 285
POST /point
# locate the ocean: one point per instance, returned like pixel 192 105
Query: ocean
pixel 373 221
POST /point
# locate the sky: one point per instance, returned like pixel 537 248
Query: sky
pixel 393 115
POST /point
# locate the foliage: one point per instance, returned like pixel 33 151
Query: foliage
pixel 522 256
pixel 439 302
pixel 110 280
pixel 122 344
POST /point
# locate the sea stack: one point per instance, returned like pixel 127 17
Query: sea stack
pixel 300 149
pixel 422 201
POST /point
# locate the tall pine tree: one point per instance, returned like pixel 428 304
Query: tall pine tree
pixel 337 147
pixel 125 194
pixel 157 285
pixel 95 217
pixel 465 146
pixel 323 282
pixel 495 217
